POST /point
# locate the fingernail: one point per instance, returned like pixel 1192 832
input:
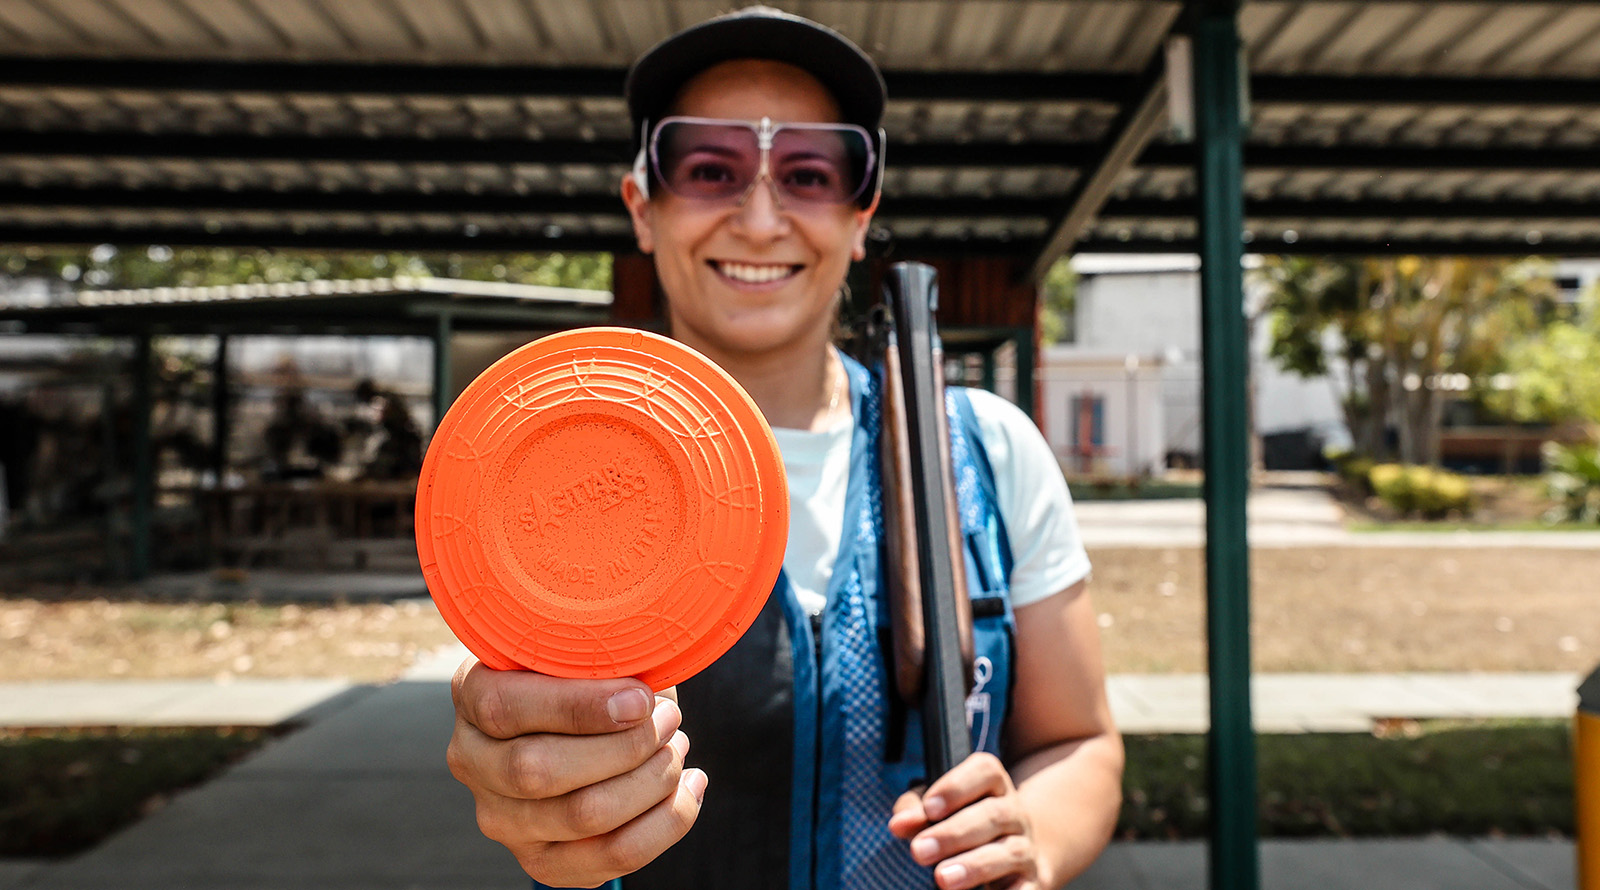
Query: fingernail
pixel 697 780
pixel 628 706
pixel 680 743
pixel 934 807
pixel 925 848
pixel 667 718
pixel 952 873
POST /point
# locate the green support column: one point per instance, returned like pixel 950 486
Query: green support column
pixel 117 565
pixel 1219 134
pixel 143 465
pixel 441 369
pixel 1026 358
pixel 220 426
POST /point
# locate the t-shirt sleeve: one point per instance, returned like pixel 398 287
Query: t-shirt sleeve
pixel 1047 550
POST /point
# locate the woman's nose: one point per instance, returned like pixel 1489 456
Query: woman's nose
pixel 761 213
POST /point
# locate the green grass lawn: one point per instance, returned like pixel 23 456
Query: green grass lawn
pixel 1132 490
pixel 1504 777
pixel 62 791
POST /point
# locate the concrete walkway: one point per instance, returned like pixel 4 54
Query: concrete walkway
pixel 1284 516
pixel 361 797
pixel 1287 703
pixel 1141 703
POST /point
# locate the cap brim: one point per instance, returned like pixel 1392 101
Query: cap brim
pixel 847 72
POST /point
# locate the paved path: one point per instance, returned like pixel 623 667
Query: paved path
pixel 1146 703
pixel 1284 517
pixel 361 800
pixel 1393 864
pixel 1142 703
pixel 163 702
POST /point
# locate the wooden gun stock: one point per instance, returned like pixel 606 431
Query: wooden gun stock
pixel 927 579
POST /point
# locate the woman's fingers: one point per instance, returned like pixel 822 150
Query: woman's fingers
pixel 507 704
pixel 971 827
pixel 589 811
pixel 628 848
pixel 1009 859
pixel 980 775
pixel 907 818
pixel 536 767
pixel 577 778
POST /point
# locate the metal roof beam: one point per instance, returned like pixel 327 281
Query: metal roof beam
pixel 398 79
pixel 1389 90
pixel 893 208
pixel 313 149
pixel 304 201
pixel 1360 157
pixel 430 243
pixel 394 79
pixel 448 202
pixel 404 150
pixel 1002 155
pixel 1550 247
pixel 416 241
pixel 343 78
pixel 1130 132
pixel 1367 209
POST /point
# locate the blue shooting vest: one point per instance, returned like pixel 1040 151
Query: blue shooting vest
pixel 798 727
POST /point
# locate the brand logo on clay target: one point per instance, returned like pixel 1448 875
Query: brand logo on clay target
pixel 598 490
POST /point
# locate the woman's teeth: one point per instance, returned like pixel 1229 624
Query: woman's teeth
pixel 754 274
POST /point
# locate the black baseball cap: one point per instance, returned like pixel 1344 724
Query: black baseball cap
pixel 757 32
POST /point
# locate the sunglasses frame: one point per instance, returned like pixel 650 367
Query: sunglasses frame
pixel 765 130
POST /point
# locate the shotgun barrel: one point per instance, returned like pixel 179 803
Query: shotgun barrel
pixel 930 611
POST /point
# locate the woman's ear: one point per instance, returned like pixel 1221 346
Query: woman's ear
pixel 863 221
pixel 639 211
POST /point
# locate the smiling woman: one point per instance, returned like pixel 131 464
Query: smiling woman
pixel 751 254
pixel 758 169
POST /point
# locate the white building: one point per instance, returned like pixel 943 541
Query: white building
pixel 1136 348
pixel 1103 411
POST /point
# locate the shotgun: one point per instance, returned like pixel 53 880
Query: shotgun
pixel 931 616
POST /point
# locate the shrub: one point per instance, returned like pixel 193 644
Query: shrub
pixel 1354 469
pixel 1572 474
pixel 1409 489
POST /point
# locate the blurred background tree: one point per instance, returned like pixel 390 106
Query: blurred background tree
pixel 1057 301
pixel 1555 377
pixel 105 266
pixel 1405 332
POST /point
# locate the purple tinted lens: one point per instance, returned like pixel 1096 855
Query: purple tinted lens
pixel 708 161
pixel 820 165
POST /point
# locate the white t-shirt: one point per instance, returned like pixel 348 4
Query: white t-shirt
pixel 1046 548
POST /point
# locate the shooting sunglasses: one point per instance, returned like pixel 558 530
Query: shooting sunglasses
pixel 720 161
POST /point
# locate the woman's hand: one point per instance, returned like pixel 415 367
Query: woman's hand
pixel 972 827
pixel 582 780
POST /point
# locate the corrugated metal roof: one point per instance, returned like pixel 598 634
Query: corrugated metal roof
pixel 468 134
pixel 923 34
pixel 1403 38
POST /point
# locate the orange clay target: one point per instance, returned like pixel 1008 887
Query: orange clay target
pixel 603 502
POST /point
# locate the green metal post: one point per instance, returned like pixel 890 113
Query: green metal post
pixel 143 465
pixel 116 560
pixel 1026 397
pixel 987 381
pixel 441 369
pixel 220 426
pixel 1219 134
